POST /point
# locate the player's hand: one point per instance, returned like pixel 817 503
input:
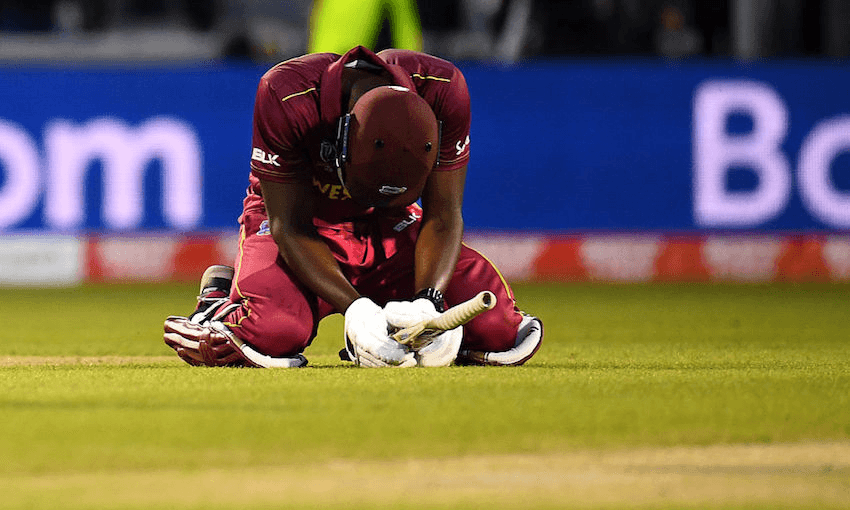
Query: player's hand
pixel 434 349
pixel 367 338
pixel 403 314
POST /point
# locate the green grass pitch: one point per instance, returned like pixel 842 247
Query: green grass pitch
pixel 642 396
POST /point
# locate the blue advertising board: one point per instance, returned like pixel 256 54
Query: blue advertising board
pixel 85 132
pixel 594 145
pixel 566 146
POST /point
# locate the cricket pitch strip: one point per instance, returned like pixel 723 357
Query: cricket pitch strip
pixel 812 474
pixel 798 475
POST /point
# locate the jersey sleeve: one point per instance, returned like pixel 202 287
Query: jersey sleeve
pixel 277 153
pixel 452 108
pixel 443 85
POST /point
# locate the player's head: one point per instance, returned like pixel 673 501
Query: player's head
pixel 392 144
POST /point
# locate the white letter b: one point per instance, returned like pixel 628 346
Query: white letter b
pixel 716 152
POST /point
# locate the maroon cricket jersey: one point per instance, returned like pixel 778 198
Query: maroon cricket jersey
pixel 298 105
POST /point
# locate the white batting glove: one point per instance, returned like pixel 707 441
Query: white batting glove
pixel 403 314
pixel 367 337
pixel 440 349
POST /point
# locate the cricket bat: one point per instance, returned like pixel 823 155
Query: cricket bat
pixel 455 316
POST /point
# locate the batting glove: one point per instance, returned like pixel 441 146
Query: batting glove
pixel 433 348
pixel 367 338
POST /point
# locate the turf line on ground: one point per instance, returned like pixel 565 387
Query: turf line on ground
pixel 812 474
pixel 20 361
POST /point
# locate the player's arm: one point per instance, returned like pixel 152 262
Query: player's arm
pixel 437 250
pixel 289 201
pixel 441 233
pixel 290 208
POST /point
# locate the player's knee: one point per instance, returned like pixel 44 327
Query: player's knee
pixel 529 336
pixel 495 330
pixel 276 335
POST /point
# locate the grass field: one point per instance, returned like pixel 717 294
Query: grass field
pixel 642 396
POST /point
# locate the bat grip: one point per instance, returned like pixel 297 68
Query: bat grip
pixel 452 318
pixel 464 312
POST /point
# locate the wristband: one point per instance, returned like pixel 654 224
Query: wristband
pixel 433 295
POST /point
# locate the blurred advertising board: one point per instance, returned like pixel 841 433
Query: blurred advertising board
pixel 649 145
pixel 519 256
pixel 109 150
pixel 605 151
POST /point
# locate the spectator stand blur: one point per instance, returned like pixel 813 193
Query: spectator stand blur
pixel 478 29
pixel 70 31
pixel 155 31
pixel 678 28
pixel 67 31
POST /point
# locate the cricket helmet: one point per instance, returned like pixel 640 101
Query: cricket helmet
pixel 391 141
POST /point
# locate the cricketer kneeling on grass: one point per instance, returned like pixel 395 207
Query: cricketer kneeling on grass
pixel 343 148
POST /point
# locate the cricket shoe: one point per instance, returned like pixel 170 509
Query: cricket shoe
pixel 213 294
pixel 528 339
pixel 202 339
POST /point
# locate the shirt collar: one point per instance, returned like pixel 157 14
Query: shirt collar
pixel 330 93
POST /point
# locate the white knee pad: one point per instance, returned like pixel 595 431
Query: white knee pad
pixel 528 340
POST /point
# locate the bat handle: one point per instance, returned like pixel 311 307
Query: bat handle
pixel 459 315
pixel 452 318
